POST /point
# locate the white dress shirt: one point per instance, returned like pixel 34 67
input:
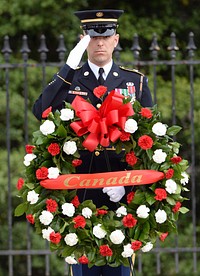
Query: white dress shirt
pixel 95 69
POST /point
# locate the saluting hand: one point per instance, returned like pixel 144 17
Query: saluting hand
pixel 76 54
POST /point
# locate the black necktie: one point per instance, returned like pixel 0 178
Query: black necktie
pixel 101 79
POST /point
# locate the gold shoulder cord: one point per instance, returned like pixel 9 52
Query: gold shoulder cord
pixel 131 70
pixel 64 80
pixel 140 90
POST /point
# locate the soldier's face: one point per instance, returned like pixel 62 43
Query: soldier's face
pixel 100 49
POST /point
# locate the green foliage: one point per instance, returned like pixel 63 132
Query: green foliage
pixel 55 17
pixel 52 18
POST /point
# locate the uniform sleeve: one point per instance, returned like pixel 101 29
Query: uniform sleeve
pixel 55 92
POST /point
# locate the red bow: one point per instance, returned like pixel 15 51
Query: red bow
pixel 104 125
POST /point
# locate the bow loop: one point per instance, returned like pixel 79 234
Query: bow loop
pixel 103 125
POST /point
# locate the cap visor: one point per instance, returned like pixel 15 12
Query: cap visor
pixel 94 33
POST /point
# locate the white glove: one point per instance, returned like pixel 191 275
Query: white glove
pixel 76 54
pixel 115 193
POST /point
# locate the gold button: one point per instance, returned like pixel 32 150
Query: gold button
pixel 97 153
pixel 86 73
pixel 115 74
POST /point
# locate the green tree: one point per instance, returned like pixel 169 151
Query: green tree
pixel 53 18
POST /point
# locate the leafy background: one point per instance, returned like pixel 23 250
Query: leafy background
pixel 52 18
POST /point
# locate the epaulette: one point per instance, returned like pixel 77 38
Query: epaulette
pixel 131 70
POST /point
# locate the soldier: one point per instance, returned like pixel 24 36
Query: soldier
pixel 99 38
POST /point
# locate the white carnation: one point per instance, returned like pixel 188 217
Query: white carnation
pixel 68 209
pixel 71 239
pixel 117 237
pixel 121 211
pixel 69 147
pixel 47 127
pixel 159 129
pixel 46 233
pixel 87 212
pixel 142 211
pixel 128 251
pixel 159 156
pixel 46 217
pixel 66 114
pixel 171 186
pixel 130 126
pixel 70 260
pixel 185 178
pixel 99 232
pixel 53 172
pixel 28 158
pixel 32 197
pixel 160 216
pixel 147 247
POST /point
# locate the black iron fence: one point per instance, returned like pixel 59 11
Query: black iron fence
pixel 177 252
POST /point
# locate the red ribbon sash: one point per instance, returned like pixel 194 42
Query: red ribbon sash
pixel 100 180
pixel 103 125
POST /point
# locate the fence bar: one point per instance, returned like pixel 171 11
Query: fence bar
pixel 153 66
pixel 193 172
pixel 7 51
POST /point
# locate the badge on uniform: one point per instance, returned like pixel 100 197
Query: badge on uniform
pixel 131 90
pixel 127 92
pixel 122 91
pixel 81 93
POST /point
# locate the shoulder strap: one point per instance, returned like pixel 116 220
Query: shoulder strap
pixel 131 70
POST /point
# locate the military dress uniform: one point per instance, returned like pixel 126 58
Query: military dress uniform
pixel 66 85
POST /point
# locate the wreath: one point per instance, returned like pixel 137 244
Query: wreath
pixel 79 231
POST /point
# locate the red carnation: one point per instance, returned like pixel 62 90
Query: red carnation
pixel 79 221
pixel 29 148
pixel 105 250
pixel 136 245
pixel 51 205
pixel 145 142
pixel 169 174
pixel 55 237
pixel 75 201
pixel 176 208
pixel 129 221
pixel 100 91
pixel 30 218
pixel 101 212
pixel 76 162
pixel 53 149
pixel 130 197
pixel 125 136
pixel 131 159
pixel 146 113
pixel 160 194
pixel 20 183
pixel 46 112
pixel 163 236
pixel 83 260
pixel 42 173
pixel 176 159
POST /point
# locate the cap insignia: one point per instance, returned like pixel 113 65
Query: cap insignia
pixel 99 14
